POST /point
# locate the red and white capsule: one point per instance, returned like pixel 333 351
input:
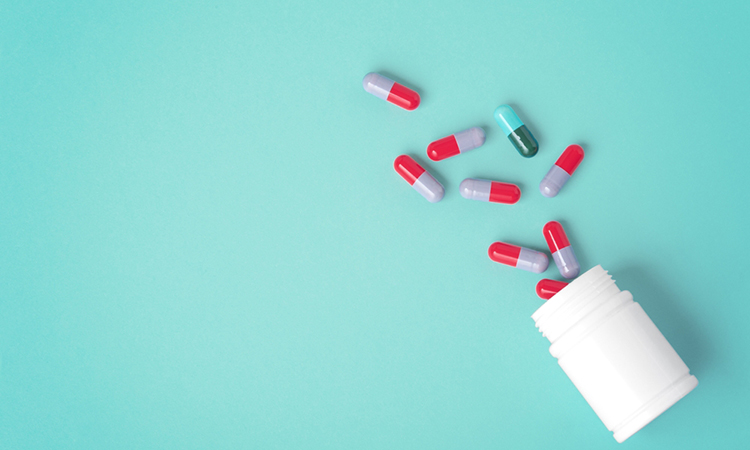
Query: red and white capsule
pixel 561 171
pixel 518 257
pixel 386 89
pixel 490 191
pixel 419 179
pixel 562 252
pixel 455 144
pixel 547 288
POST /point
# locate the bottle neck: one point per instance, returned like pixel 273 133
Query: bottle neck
pixel 569 307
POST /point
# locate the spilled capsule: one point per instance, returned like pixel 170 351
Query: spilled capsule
pixel 419 179
pixel 386 89
pixel 490 191
pixel 455 144
pixel 561 171
pixel 516 131
pixel 518 257
pixel 562 252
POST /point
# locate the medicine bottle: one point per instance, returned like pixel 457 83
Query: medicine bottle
pixel 612 351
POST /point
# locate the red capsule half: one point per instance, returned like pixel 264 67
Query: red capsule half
pixel 555 236
pixel 570 158
pixel 409 169
pixel 546 288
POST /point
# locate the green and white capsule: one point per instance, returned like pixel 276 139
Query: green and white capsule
pixel 516 131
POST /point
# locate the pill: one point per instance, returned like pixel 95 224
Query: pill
pixel 518 257
pixel 419 179
pixel 489 191
pixel 386 89
pixel 516 131
pixel 561 171
pixel 562 252
pixel 454 144
pixel 546 288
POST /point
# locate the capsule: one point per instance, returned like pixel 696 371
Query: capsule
pixel 518 257
pixel 516 131
pixel 547 288
pixel 419 179
pixel 562 252
pixel 490 191
pixel 386 89
pixel 457 143
pixel 561 172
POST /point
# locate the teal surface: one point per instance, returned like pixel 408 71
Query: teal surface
pixel 204 244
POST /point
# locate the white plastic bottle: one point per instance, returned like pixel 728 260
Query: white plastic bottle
pixel 612 351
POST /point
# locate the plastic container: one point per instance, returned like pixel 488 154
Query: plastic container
pixel 613 353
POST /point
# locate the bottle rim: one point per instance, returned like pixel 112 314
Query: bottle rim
pixel 573 302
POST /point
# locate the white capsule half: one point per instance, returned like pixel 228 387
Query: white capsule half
pixel 532 260
pixel 566 262
pixel 377 85
pixel 553 181
pixel 429 187
pixel 470 139
pixel 474 189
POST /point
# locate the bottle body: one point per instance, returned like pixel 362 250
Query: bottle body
pixel 613 353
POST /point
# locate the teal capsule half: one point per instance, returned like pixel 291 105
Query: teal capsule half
pixel 516 131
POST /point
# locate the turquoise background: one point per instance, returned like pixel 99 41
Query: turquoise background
pixel 204 245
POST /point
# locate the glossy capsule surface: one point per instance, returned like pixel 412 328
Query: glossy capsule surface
pixel 490 191
pixel 518 257
pixel 419 179
pixel 547 288
pixel 561 171
pixel 455 144
pixel 562 252
pixel 386 89
pixel 516 131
